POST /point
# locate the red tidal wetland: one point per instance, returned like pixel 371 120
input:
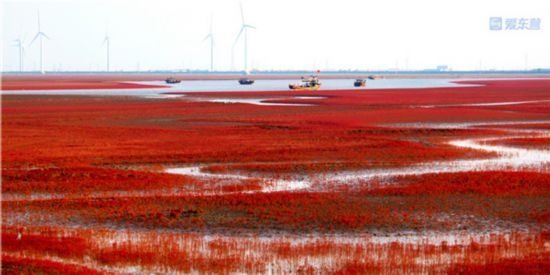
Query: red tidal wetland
pixel 431 180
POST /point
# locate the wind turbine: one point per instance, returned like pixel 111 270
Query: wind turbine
pixel 244 29
pixel 21 49
pixel 108 41
pixel 40 35
pixel 211 37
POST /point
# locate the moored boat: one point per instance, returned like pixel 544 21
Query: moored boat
pixel 246 81
pixel 360 83
pixel 308 84
pixel 172 80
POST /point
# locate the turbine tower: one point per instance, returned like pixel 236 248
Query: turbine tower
pixel 40 35
pixel 107 41
pixel 244 29
pixel 211 37
pixel 21 49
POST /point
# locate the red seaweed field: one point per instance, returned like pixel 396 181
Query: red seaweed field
pixel 429 180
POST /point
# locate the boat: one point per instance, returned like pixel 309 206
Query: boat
pixel 374 77
pixel 308 84
pixel 246 81
pixel 172 80
pixel 360 83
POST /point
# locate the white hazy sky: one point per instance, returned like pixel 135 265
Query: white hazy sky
pixel 290 34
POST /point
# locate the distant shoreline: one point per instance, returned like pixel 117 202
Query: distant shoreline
pixel 148 76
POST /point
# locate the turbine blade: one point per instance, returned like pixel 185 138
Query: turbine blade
pixel 43 34
pixel 242 13
pixel 35 37
pixel 249 26
pixel 211 22
pixel 38 12
pixel 238 35
pixel 206 37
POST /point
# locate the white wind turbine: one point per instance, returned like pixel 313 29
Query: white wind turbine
pixel 244 29
pixel 40 35
pixel 21 49
pixel 107 41
pixel 211 37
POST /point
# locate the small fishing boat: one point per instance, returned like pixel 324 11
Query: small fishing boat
pixel 172 80
pixel 246 81
pixel 374 77
pixel 308 84
pixel 360 83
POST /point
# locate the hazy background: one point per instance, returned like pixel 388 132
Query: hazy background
pixel 290 35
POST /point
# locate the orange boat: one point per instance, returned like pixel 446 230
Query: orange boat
pixel 308 84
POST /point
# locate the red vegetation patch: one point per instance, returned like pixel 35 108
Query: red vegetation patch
pixel 87 180
pixel 528 126
pixel 51 245
pixel 158 252
pixel 486 183
pixel 377 210
pixel 253 185
pixel 22 265
pixel 71 85
pixel 538 143
pixel 123 131
pixel 532 264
